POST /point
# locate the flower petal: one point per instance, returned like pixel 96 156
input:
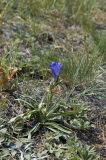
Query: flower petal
pixel 55 68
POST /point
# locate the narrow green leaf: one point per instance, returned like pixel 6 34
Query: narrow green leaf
pixel 58 127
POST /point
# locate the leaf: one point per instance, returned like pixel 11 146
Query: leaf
pixel 34 129
pixel 29 104
pixel 1 140
pixel 22 155
pixel 14 119
pixel 4 76
pixel 58 127
pixel 52 129
pixel 13 152
pixel 24 140
pixel 18 144
pixel 53 108
pixel 12 72
pixel 58 153
pixel 3 130
pixel 5 153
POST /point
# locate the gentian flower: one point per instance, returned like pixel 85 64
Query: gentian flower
pixel 55 68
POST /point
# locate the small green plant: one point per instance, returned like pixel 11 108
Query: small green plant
pixel 78 151
pixel 50 113
pixel 71 149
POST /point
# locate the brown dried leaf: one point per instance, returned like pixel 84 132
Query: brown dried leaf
pixel 4 77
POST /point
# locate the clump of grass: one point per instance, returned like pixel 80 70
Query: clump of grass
pixel 79 70
pixel 81 13
pixel 5 8
pixel 100 41
pixel 79 9
pixel 35 8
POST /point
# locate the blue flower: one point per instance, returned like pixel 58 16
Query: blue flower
pixel 55 68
